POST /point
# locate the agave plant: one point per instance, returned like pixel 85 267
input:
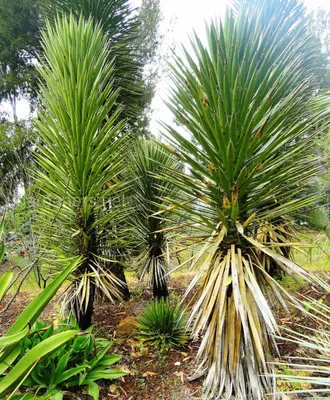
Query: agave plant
pixel 149 163
pixel 247 99
pixel 81 159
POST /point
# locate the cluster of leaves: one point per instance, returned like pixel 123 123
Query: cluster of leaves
pixel 50 358
pixel 10 344
pixel 163 325
pixel 80 362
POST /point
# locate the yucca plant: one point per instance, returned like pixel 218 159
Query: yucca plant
pixel 163 325
pixel 148 165
pixel 81 160
pixel 247 99
pixel 118 21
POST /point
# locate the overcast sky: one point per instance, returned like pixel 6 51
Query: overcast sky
pixel 187 15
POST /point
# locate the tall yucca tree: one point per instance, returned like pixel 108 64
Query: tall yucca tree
pixel 149 164
pixel 247 98
pixel 80 157
pixel 118 20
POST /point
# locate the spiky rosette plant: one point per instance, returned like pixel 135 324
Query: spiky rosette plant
pixel 247 98
pixel 149 164
pixel 163 325
pixel 81 160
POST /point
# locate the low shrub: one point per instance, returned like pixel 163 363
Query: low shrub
pixel 163 325
pixel 81 362
pixel 13 373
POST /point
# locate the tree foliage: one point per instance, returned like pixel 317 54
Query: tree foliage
pixel 19 41
pixel 125 29
pixel 15 158
pixel 320 28
pixel 148 45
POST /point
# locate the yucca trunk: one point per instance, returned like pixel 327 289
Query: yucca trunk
pixel 158 274
pixel 84 315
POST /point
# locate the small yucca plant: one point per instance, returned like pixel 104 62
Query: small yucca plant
pixel 162 324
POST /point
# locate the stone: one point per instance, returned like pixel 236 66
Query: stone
pixel 126 326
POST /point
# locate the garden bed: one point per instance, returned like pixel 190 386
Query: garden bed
pixel 153 375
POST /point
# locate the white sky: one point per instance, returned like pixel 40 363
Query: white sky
pixel 188 15
pixel 191 15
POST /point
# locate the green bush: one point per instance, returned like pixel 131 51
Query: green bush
pixel 10 344
pixel 318 218
pixel 80 362
pixel 162 324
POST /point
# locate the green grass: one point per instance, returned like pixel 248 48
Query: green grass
pixel 315 259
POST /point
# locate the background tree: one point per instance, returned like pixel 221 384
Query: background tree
pixel 81 158
pixel 317 216
pixel 151 56
pixel 248 99
pixel 19 41
pixel 15 158
pixel 320 28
